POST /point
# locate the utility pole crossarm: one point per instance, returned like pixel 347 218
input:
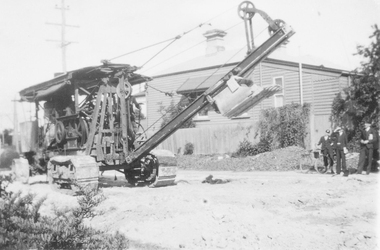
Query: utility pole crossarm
pixel 63 25
pixel 60 24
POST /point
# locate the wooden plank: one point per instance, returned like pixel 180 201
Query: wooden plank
pixel 99 149
pixel 123 116
pixel 90 140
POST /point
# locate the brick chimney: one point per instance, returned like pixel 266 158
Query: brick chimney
pixel 214 41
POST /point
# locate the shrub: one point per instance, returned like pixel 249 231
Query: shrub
pixel 246 148
pixel 284 126
pixel 7 156
pixel 170 112
pixel 23 227
pixel 189 149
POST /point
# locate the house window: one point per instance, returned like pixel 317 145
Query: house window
pixel 203 114
pixel 279 96
pixel 242 116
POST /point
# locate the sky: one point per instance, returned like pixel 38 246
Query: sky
pixel 327 29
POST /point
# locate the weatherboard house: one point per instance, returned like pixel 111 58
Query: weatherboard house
pixel 302 79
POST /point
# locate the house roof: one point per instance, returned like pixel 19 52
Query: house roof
pixel 235 56
pixel 198 84
pixel 219 58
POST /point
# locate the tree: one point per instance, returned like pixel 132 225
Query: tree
pixel 168 113
pixel 361 100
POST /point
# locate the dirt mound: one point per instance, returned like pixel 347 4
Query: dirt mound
pixel 278 160
pixel 283 159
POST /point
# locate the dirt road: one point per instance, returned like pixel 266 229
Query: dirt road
pixel 255 210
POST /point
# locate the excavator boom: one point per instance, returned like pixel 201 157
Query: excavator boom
pixel 209 96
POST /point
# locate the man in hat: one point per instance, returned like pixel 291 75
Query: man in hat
pixel 327 150
pixel 376 144
pixel 366 148
pixel 341 147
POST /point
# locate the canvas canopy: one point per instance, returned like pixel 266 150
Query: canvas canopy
pixel 85 78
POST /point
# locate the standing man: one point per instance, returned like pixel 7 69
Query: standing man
pixel 375 162
pixel 327 150
pixel 341 147
pixel 366 148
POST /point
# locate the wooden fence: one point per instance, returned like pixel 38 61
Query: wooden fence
pixel 210 140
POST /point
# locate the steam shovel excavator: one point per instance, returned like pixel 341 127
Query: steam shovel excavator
pixel 91 125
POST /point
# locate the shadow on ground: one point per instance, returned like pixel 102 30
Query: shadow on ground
pixel 111 181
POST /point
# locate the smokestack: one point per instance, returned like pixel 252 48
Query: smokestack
pixel 215 41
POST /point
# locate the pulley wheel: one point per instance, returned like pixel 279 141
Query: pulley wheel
pixel 82 128
pixel 60 132
pixel 242 10
pixel 280 23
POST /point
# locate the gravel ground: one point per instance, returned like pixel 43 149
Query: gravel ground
pixel 255 210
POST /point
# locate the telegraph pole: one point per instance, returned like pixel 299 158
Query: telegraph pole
pixel 63 25
pixel 15 138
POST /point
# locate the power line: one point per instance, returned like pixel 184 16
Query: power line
pixel 171 39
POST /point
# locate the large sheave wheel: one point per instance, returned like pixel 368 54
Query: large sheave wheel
pixel 83 131
pixel 60 132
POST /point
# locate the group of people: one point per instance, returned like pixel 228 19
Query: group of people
pixel 335 144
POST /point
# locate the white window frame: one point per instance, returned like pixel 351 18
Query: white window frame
pixel 279 93
pixel 199 117
pixel 245 115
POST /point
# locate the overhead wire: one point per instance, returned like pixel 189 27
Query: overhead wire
pixel 171 39
pixel 171 94
pixel 146 47
pixel 174 55
pixel 152 45
pixel 204 40
pixel 157 53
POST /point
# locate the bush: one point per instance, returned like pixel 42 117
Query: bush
pixel 284 126
pixel 170 112
pixel 23 227
pixel 189 149
pixel 7 156
pixel 246 148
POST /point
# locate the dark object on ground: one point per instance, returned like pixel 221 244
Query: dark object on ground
pixel 352 170
pixel 214 181
pixel 346 172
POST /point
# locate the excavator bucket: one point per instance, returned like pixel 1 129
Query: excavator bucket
pixel 237 99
